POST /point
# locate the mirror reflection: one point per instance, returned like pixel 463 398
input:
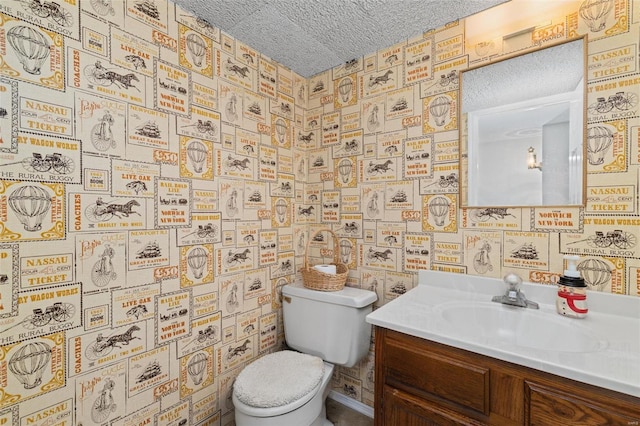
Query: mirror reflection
pixel 523 128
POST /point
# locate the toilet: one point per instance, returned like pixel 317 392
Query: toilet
pixel 289 388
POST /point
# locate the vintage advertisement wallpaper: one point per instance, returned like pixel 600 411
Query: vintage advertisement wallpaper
pixel 159 182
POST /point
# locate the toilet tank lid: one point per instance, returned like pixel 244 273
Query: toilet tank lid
pixel 348 296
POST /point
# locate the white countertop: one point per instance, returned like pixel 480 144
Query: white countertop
pixel 613 322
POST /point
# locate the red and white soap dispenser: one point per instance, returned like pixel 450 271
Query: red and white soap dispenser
pixel 572 294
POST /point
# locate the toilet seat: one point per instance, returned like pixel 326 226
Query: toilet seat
pixel 278 383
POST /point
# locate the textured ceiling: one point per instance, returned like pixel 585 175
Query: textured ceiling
pixel 311 36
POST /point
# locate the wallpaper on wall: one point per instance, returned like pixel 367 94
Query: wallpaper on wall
pixel 160 181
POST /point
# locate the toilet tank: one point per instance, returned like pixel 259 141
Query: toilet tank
pixel 330 325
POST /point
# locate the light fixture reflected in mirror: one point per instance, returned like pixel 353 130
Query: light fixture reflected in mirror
pixel 532 162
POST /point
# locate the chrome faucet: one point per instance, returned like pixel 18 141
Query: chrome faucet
pixel 514 296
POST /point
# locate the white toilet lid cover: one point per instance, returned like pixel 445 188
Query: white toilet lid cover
pixel 278 379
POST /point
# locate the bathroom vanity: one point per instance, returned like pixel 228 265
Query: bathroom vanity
pixel 446 356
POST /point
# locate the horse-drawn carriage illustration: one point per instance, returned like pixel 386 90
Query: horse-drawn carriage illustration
pixel 49 9
pixel 374 254
pixel 375 168
pixel 104 345
pixel 236 69
pixel 380 79
pixel 351 146
pixel 59 312
pixel 209 333
pixel 237 257
pixel 204 231
pixel 232 163
pixel 305 211
pixel 238 350
pixel 207 127
pixel 350 390
pixel 103 211
pixel 97 74
pixel 621 101
pixel 55 162
pixel 617 238
pixel 306 138
pixel 286 267
pixel 351 227
pixel 450 180
pixel 496 213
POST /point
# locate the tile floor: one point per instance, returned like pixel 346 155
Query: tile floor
pixel 342 415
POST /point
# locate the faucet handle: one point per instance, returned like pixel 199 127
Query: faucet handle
pixel 513 286
pixel 513 281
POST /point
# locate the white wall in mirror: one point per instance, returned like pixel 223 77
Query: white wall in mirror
pixel 531 101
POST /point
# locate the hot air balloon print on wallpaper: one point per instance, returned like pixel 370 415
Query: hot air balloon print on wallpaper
pixel 35 211
pixel 196 367
pixel 197 153
pixel 197 48
pixel 437 213
pixel 29 362
pixel 32 367
pixel 196 264
pixel 30 46
pixel 196 51
pixel 32 54
pixel 196 371
pixel 595 13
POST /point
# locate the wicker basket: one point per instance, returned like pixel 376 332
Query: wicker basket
pixel 317 280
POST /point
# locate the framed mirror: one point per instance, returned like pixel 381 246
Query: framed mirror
pixel 522 129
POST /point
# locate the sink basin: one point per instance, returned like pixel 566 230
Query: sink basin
pixel 498 324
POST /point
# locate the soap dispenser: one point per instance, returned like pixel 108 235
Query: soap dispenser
pixel 572 295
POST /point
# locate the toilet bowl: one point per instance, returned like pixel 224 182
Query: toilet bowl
pixel 298 408
pixel 289 388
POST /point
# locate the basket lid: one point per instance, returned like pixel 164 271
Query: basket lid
pixel 348 296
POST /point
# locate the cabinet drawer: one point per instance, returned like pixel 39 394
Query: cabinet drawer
pixel 405 409
pixel 408 366
pixel 548 406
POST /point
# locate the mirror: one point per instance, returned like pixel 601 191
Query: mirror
pixel 522 129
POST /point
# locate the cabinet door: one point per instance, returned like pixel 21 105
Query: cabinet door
pixel 547 406
pixel 403 409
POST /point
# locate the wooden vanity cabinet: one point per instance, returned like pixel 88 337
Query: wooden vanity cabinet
pixel 420 383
